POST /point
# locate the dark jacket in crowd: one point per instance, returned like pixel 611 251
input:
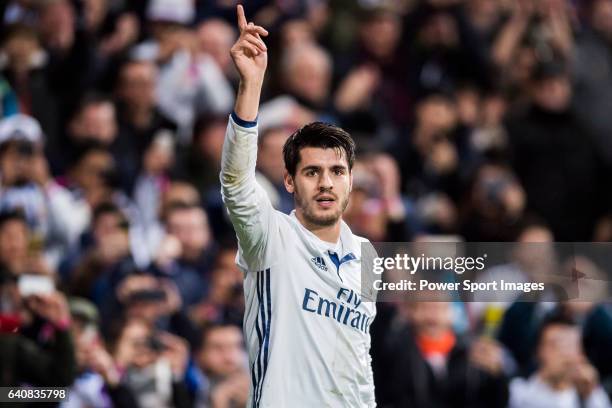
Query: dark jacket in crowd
pixel 403 378
pixel 562 173
pixel 593 88
pixel 25 362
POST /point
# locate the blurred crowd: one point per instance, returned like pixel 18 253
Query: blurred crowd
pixel 480 120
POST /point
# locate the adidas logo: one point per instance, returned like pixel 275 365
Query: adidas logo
pixel 320 262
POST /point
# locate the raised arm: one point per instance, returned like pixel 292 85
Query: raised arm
pixel 250 56
pixel 248 206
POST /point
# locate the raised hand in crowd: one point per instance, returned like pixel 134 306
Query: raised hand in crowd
pixel 52 307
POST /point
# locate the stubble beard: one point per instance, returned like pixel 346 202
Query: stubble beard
pixel 310 215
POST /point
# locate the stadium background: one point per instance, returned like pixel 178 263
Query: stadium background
pixel 482 120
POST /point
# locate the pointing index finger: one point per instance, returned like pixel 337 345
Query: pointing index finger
pixel 242 22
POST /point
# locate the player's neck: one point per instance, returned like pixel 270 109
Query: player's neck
pixel 327 233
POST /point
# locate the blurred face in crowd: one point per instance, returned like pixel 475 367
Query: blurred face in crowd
pixel 558 351
pixel 364 213
pixel 534 252
pixel 215 38
pixel 307 73
pixel 19 48
pixel 14 239
pixel 133 349
pixel 96 121
pixel 296 32
pixel 270 157
pixel 210 142
pixel 440 32
pixel 222 352
pixel 498 194
pixel 56 24
pixel 170 38
pixel 91 168
pixel 432 319
pixel 85 336
pixel 137 84
pixel 321 185
pixel 94 13
pixel 92 174
pixel 380 34
pixel 468 106
pixel 109 225
pixel 16 162
pixel 190 227
pixel 483 13
pixel 178 192
pixel 553 94
pixel 436 114
pixel 601 17
pixel 226 281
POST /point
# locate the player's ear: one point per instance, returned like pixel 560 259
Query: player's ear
pixel 289 183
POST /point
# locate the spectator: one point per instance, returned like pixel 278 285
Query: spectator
pixel 185 254
pixel 224 301
pixel 565 378
pixel 532 259
pixel 272 168
pixel 72 59
pixel 106 261
pixel 372 94
pixel 437 153
pixel 593 86
pixel 215 38
pixel 552 161
pixel 14 240
pixel 190 83
pixel 26 71
pixel 24 360
pixel 446 371
pixel 306 75
pixel 495 205
pixel 26 184
pixel 94 121
pixel 97 383
pixel 222 367
pixel 438 51
pixel 154 364
pixel 377 208
pixel 140 121
pixel 201 162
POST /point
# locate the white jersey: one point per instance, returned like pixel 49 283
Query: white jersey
pixel 306 325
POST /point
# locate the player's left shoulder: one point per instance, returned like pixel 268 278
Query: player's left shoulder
pixel 362 246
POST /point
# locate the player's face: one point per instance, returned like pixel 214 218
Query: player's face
pixel 321 185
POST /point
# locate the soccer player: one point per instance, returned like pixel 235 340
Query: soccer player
pixel 306 323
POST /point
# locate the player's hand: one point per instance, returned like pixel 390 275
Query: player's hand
pixel 249 53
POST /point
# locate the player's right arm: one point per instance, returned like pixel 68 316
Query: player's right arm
pixel 249 208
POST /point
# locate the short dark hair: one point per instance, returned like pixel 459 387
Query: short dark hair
pixel 210 327
pixel 177 206
pixel 317 134
pixel 16 214
pixel 91 98
pixel 106 208
pixel 555 318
